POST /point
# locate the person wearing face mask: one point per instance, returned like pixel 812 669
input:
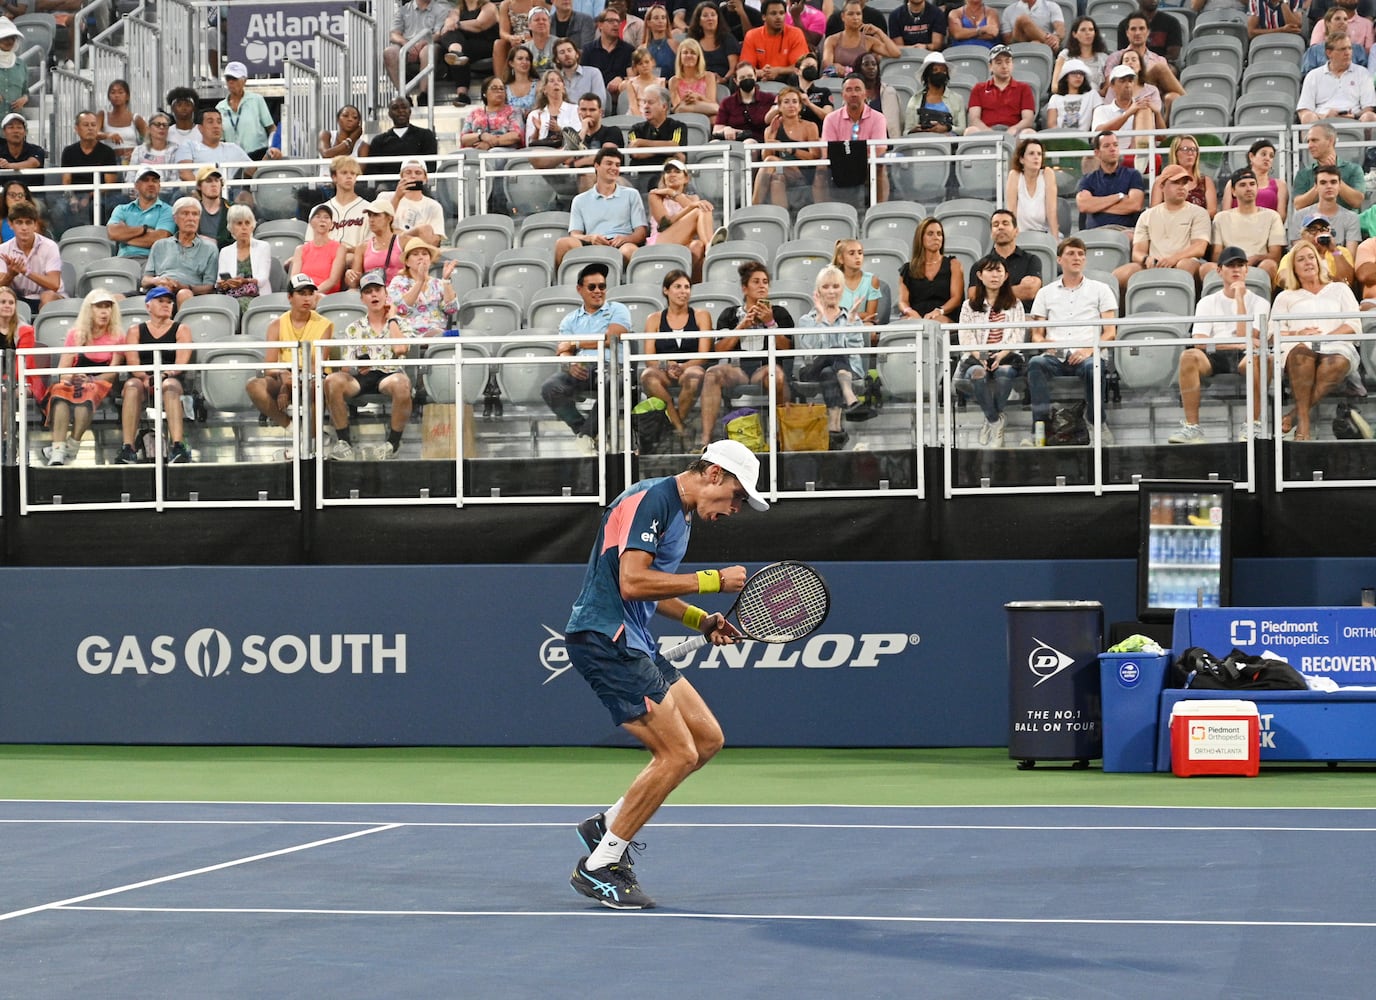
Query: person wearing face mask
pixel 742 115
pixel 14 75
pixel 817 100
pixel 932 109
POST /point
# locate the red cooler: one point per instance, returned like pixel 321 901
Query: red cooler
pixel 1215 737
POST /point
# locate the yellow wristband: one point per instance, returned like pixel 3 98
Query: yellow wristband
pixel 693 617
pixel 709 581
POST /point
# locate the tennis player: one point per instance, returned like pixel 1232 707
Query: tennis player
pixel 633 573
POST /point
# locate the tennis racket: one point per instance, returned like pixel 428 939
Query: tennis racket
pixel 782 602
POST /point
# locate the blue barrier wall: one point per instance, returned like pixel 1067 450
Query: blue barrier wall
pixel 914 654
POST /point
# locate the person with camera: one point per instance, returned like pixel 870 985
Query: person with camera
pixel 415 213
pixel 932 110
pixel 1336 260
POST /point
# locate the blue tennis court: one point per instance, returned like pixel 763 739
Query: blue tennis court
pixel 113 900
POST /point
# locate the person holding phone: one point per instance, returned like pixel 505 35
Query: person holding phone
pixel 744 328
pixel 993 363
pixel 416 214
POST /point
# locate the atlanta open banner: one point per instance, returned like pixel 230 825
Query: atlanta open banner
pixel 264 36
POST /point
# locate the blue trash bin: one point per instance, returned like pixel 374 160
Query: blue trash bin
pixel 1130 687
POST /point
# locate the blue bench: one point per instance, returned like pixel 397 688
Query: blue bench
pixel 1339 642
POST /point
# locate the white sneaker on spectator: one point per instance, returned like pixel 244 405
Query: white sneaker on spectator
pixel 586 445
pixel 1188 434
pixel 383 453
pixel 1242 435
pixel 999 427
pixel 986 433
pixel 340 451
pixel 57 455
pixel 1106 434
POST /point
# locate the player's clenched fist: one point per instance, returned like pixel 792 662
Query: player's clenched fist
pixel 732 579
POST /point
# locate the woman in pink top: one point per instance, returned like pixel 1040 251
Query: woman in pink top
pixel 83 383
pixel 692 88
pixel 1272 192
pixel 320 257
pixel 381 250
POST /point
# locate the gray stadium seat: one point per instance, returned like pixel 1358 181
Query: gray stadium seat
pixel 549 306
pixel 542 229
pixel 210 317
pixel 1140 367
pixel 489 313
pixel 800 260
pixel 487 235
pixel 650 264
pixel 725 258
pixel 576 258
pixel 439 379
pixel 829 221
pixel 521 266
pixel 922 173
pixel 1162 289
pixel 894 220
pixel 968 218
pixel 520 383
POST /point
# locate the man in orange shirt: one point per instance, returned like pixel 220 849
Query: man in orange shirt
pixel 775 48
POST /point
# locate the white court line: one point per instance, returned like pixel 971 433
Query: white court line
pixel 668 915
pixel 58 904
pixel 563 824
pixel 683 805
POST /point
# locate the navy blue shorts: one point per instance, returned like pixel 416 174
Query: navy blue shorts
pixel 625 679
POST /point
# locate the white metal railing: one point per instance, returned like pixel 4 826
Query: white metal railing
pixel 43 361
pixel 142 41
pixel 934 417
pixel 773 357
pixel 277 175
pixel 71 93
pixel 1103 353
pixel 364 37
pixel 1279 342
pixel 418 365
pixel 107 64
pixel 181 34
pixel 301 109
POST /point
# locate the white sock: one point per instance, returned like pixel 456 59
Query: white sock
pixel 608 852
pixel 615 811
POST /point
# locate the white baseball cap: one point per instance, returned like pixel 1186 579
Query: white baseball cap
pixel 1075 66
pixel 1121 71
pixel 236 71
pixel 742 463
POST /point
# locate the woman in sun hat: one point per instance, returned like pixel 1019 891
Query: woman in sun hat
pixel 425 305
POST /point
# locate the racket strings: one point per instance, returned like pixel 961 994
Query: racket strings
pixel 783 603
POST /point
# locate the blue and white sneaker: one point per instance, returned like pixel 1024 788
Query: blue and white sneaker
pixel 594 828
pixel 614 886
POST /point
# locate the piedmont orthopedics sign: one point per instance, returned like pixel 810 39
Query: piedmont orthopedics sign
pixel 1337 641
pixel 265 36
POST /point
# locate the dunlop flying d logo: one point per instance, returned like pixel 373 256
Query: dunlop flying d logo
pixel 1046 661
